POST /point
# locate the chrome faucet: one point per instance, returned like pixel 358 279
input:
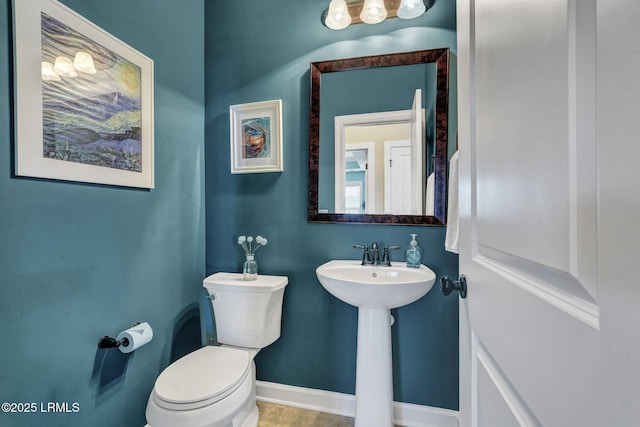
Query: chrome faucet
pixel 386 259
pixel 366 257
pixel 373 257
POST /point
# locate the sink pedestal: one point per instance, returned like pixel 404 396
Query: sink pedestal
pixel 374 375
pixel 375 290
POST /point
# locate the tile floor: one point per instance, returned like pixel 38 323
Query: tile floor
pixel 272 415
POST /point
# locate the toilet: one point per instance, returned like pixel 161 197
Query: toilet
pixel 215 386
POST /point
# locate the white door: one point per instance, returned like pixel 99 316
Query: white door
pixel 418 176
pixel 397 173
pixel 550 212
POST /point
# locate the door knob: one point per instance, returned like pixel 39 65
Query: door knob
pixel 447 285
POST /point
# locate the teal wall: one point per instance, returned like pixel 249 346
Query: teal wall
pixel 80 261
pixel 258 51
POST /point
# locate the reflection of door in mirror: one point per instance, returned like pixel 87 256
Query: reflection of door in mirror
pixel 397 173
pixel 417 181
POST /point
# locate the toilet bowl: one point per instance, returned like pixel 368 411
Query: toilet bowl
pixel 215 385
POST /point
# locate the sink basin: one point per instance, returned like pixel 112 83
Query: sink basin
pixel 375 286
pixel 375 290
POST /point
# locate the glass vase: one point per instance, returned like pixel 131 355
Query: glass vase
pixel 250 269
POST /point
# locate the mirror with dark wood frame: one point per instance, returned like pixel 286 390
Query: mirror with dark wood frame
pixel 439 131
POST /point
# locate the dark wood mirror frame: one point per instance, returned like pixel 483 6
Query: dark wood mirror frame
pixel 438 56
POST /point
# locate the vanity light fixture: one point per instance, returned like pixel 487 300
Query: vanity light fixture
pixel 342 13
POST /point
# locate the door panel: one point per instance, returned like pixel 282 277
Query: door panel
pixel 397 194
pixel 527 165
pixel 497 406
pixel 548 332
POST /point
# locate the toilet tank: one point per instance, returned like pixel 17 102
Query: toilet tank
pixel 247 313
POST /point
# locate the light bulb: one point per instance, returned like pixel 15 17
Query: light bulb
pixel 373 12
pixel 410 9
pixel 338 15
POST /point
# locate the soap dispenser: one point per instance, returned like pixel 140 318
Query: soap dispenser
pixel 414 253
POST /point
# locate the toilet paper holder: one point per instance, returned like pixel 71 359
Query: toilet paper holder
pixel 110 342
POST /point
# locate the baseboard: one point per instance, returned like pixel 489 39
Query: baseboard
pixel 405 414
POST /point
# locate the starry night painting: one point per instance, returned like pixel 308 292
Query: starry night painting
pixel 91 99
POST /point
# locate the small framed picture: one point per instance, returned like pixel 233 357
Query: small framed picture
pixel 83 100
pixel 256 137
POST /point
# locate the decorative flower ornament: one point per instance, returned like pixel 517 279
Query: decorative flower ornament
pixel 249 247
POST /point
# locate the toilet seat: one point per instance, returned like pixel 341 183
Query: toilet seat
pixel 201 378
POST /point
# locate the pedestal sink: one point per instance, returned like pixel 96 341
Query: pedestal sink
pixel 375 290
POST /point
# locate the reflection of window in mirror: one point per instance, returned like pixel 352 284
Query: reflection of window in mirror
pixel 355 164
pixel 353 200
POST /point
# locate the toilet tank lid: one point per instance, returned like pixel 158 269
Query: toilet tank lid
pixel 235 282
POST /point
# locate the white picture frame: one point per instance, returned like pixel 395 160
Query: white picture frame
pixel 87 121
pixel 256 137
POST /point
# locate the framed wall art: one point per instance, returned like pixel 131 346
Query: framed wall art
pixel 83 100
pixel 256 137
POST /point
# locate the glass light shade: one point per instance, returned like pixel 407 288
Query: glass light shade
pixel 84 62
pixel 338 15
pixel 64 67
pixel 47 72
pixel 373 12
pixel 410 9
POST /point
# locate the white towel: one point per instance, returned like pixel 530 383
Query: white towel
pixel 451 239
pixel 430 199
